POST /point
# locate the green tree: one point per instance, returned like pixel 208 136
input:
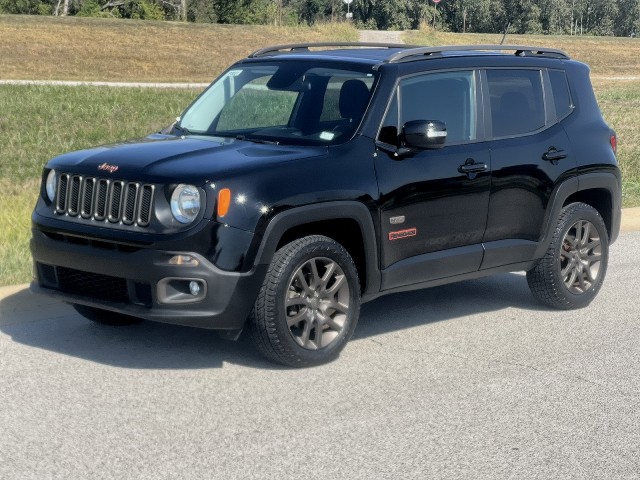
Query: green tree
pixel 308 11
pixel 602 16
pixel 627 21
pixel 391 15
pixel 25 7
pixel 523 15
pixel 555 16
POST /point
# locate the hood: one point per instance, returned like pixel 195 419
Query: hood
pixel 192 159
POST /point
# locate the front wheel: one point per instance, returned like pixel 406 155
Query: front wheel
pixel 573 269
pixel 309 303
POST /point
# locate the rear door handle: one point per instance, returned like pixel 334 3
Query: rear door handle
pixel 553 155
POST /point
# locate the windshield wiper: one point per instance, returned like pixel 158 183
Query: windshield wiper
pixel 257 140
pixel 182 129
pixel 244 138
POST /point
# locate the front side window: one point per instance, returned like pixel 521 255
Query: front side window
pixel 517 102
pixel 298 103
pixel 449 97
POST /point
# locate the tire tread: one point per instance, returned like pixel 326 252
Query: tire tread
pixel 264 316
pixel 543 283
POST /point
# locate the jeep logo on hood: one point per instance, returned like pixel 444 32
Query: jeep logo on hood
pixel 108 168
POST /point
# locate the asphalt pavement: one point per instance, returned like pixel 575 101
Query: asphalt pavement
pixel 470 380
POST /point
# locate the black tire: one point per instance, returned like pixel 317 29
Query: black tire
pixel 312 275
pixel 105 317
pixel 572 271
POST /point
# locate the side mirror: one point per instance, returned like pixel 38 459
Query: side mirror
pixel 423 134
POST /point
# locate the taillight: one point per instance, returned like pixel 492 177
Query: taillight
pixel 614 142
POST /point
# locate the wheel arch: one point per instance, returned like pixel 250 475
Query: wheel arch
pixel 349 223
pixel 598 198
pixel 601 190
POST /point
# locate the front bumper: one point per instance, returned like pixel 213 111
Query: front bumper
pixel 141 282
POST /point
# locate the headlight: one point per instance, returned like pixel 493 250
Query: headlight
pixel 185 203
pixel 50 186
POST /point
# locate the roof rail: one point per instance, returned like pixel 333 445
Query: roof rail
pixel 519 50
pixel 292 47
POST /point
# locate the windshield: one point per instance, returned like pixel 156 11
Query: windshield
pixel 290 102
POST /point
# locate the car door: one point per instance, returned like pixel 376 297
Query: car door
pixel 433 203
pixel 530 153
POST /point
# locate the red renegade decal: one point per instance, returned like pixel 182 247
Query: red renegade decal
pixel 410 232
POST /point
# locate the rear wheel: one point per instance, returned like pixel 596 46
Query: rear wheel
pixel 573 269
pixel 106 317
pixel 309 303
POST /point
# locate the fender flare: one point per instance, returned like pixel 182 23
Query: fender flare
pixel 611 182
pixel 600 180
pixel 306 214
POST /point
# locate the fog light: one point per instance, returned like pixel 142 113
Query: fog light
pixel 187 260
pixel 194 288
pixel 181 290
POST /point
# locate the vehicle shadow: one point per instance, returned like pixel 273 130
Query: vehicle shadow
pixel 50 325
pixel 447 302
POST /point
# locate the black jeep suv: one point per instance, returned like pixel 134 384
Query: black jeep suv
pixel 305 181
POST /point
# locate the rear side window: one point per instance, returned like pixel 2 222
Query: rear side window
pixel 517 102
pixel 561 95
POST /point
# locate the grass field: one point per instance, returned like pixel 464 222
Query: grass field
pixel 74 48
pixel 38 122
pixel 620 105
pixel 607 56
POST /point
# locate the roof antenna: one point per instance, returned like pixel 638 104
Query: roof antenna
pixel 504 35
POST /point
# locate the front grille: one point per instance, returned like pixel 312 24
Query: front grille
pixel 94 285
pixel 115 201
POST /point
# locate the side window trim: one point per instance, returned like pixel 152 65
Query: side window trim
pixel 485 105
pixel 483 125
pixel 549 104
pixel 393 99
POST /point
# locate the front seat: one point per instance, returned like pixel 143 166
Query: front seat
pixel 354 96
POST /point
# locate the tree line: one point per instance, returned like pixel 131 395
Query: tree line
pixel 575 17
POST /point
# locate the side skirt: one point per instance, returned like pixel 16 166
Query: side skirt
pixel 516 267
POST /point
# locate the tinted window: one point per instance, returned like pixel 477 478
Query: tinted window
pixel 448 97
pixel 517 103
pixel 561 96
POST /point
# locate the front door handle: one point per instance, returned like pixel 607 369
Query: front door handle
pixel 472 167
pixel 553 155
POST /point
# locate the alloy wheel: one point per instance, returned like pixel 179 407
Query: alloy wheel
pixel 580 257
pixel 317 303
